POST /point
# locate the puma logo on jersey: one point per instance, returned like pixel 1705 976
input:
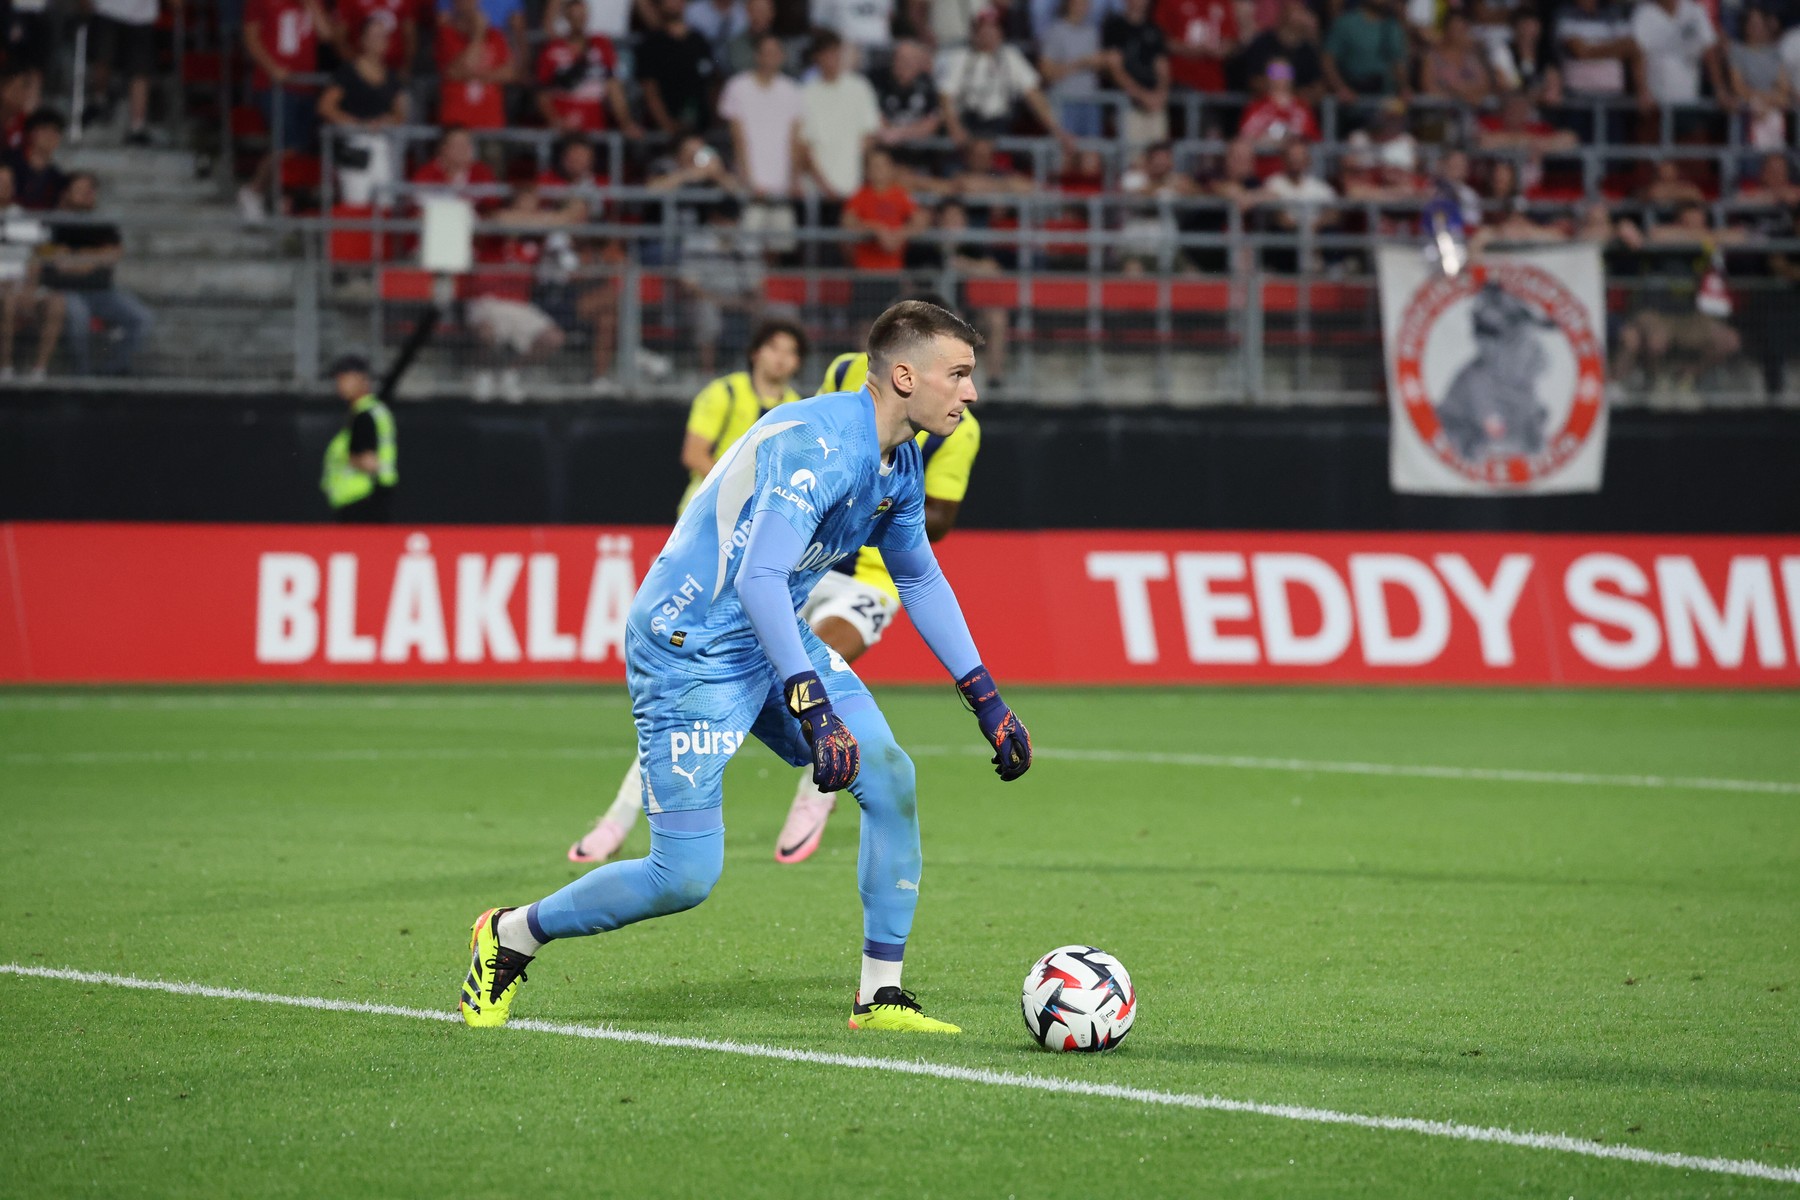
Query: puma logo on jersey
pixel 687 775
pixel 906 885
pixel 829 450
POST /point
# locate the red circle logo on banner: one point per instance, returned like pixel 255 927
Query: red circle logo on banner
pixel 1490 424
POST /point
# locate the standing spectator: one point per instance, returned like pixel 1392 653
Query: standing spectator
pixel 865 25
pixel 1278 116
pixel 1070 59
pixel 1789 48
pixel 609 18
pixel 82 257
pixel 363 100
pixel 21 90
pixel 1044 13
pixel 882 209
pixel 38 182
pixel 25 36
pixel 1455 68
pixel 23 297
pixel 841 119
pixel 1295 39
pixel 1677 39
pixel 1760 80
pixel 676 71
pixel 1519 63
pixel 983 83
pixel 718 21
pixel 475 63
pixel 766 110
pixel 578 79
pixel 908 98
pixel 1600 58
pixel 1365 52
pixel 124 33
pixel 401 19
pixel 506 16
pixel 282 39
pixel 740 51
pixel 1137 63
pixel 1202 34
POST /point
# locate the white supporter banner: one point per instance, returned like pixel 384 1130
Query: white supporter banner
pixel 1497 375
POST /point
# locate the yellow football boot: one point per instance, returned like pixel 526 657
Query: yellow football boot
pixel 896 1009
pixel 495 973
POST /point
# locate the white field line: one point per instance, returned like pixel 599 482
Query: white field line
pixel 1559 1143
pixel 1234 762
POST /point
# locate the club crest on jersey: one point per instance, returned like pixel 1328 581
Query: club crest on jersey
pixel 887 502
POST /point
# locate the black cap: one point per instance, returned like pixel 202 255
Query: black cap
pixel 347 362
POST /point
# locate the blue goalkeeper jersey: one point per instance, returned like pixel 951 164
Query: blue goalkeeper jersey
pixel 817 464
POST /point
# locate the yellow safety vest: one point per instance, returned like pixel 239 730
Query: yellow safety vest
pixel 342 483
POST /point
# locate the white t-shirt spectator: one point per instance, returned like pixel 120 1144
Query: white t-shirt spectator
pixel 608 18
pixel 985 85
pixel 1299 196
pixel 865 23
pixel 127 12
pixel 768 115
pixel 1591 76
pixel 1673 47
pixel 839 117
pixel 1790 55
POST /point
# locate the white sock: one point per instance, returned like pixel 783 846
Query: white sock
pixel 877 973
pixel 630 801
pixel 515 933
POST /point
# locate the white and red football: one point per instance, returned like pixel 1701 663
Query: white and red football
pixel 1079 998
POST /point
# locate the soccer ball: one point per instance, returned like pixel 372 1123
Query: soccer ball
pixel 1079 998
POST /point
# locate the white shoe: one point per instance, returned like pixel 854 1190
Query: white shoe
pixel 250 205
pixel 654 366
pixel 483 386
pixel 603 385
pixel 804 828
pixel 512 388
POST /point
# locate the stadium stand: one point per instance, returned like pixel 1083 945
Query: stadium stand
pixel 1227 261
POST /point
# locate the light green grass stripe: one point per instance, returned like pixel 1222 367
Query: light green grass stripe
pixel 1558 1143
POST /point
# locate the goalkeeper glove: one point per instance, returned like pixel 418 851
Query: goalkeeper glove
pixel 999 724
pixel 835 753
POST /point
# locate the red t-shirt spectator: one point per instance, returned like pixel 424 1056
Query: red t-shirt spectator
pixel 508 265
pixel 355 14
pixel 432 174
pixel 470 102
pixel 1268 122
pixel 285 28
pixel 584 100
pixel 889 208
pixel 1203 23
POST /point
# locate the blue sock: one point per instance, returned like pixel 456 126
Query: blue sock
pixel 888 864
pixel 687 854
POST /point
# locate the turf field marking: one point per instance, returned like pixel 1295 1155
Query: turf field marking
pixel 1560 1143
pixel 78 758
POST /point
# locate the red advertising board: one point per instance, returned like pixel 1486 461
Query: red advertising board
pixel 212 603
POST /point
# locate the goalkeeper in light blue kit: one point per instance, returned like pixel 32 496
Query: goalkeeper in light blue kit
pixel 715 654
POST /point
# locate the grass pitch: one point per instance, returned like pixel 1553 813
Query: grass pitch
pixel 1610 960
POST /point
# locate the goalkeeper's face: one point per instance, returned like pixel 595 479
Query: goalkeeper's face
pixel 943 385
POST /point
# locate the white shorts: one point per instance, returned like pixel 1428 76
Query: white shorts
pixel 511 323
pixel 867 609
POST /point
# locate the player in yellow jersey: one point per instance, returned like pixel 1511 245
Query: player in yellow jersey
pixel 850 607
pixel 731 404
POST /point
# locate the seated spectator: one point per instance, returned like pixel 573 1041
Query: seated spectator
pixel 840 120
pixel 765 110
pixel 1137 64
pixel 282 39
pixel 1456 68
pixel 882 208
pixel 1759 80
pixel 578 80
pixel 866 26
pixel 1504 218
pixel 1084 174
pixel 1069 58
pixel 401 17
pixel 1517 128
pixel 38 182
pixel 1600 60
pixel 24 300
pixel 1200 36
pixel 740 51
pixel 984 173
pixel 123 34
pixel 1147 236
pixel 454 168
pixel 1365 54
pixel 983 84
pixel 1677 40
pixel 1236 177
pixel 1295 40
pixel 1774 183
pixel 718 21
pixel 21 92
pixel 973 258
pixel 722 277
pixel 677 73
pixel 1684 307
pixel 80 261
pixel 1451 194
pixel 1293 200
pixel 1278 116
pixel 1669 187
pixel 475 63
pixel 1387 145
pixel 362 101
pixel 695 165
pixel 500 308
pixel 908 98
